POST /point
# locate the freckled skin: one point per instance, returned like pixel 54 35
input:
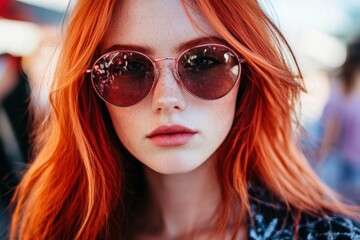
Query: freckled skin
pixel 162 25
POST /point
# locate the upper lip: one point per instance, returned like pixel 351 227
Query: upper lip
pixel 169 129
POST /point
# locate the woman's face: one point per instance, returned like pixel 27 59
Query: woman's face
pixel 197 126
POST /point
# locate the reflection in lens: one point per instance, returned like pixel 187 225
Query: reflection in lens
pixel 235 70
pixel 216 79
pixel 123 78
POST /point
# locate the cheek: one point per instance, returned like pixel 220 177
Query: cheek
pixel 125 123
pixel 224 109
pixel 219 116
pixel 223 117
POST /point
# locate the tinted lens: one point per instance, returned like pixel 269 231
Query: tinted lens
pixel 123 78
pixel 210 71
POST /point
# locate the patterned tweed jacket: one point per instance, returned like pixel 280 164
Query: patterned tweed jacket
pixel 271 220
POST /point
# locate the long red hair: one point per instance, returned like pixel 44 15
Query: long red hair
pixel 78 185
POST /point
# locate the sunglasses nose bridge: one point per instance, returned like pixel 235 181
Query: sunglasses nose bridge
pixel 175 72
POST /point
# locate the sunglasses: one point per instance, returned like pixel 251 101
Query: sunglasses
pixel 126 77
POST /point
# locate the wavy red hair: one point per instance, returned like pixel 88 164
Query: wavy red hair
pixel 77 186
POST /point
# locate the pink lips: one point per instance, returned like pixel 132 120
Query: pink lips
pixel 171 135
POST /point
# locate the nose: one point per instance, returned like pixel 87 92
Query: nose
pixel 167 95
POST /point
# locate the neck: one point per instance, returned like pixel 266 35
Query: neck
pixel 183 203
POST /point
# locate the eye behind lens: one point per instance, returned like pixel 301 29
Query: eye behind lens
pixel 209 72
pixel 123 78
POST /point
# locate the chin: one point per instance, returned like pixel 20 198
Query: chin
pixel 169 167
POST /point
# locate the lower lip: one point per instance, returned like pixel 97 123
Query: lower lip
pixel 172 140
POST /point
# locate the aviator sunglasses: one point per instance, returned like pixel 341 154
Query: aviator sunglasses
pixel 125 77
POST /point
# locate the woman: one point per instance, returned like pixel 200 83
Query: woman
pixel 171 120
pixel 340 145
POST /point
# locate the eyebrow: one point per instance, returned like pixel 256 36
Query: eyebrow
pixel 145 50
pixel 198 41
pixel 180 48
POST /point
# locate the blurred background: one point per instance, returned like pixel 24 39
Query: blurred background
pixel 319 31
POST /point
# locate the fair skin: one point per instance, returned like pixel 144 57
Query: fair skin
pixel 182 179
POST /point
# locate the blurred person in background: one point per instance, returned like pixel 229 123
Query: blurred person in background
pixel 14 126
pixel 14 117
pixel 339 151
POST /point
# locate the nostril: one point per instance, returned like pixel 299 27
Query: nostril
pixel 167 105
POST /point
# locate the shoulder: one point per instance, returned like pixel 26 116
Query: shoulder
pixel 273 220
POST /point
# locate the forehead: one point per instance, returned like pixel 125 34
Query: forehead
pixel 158 24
